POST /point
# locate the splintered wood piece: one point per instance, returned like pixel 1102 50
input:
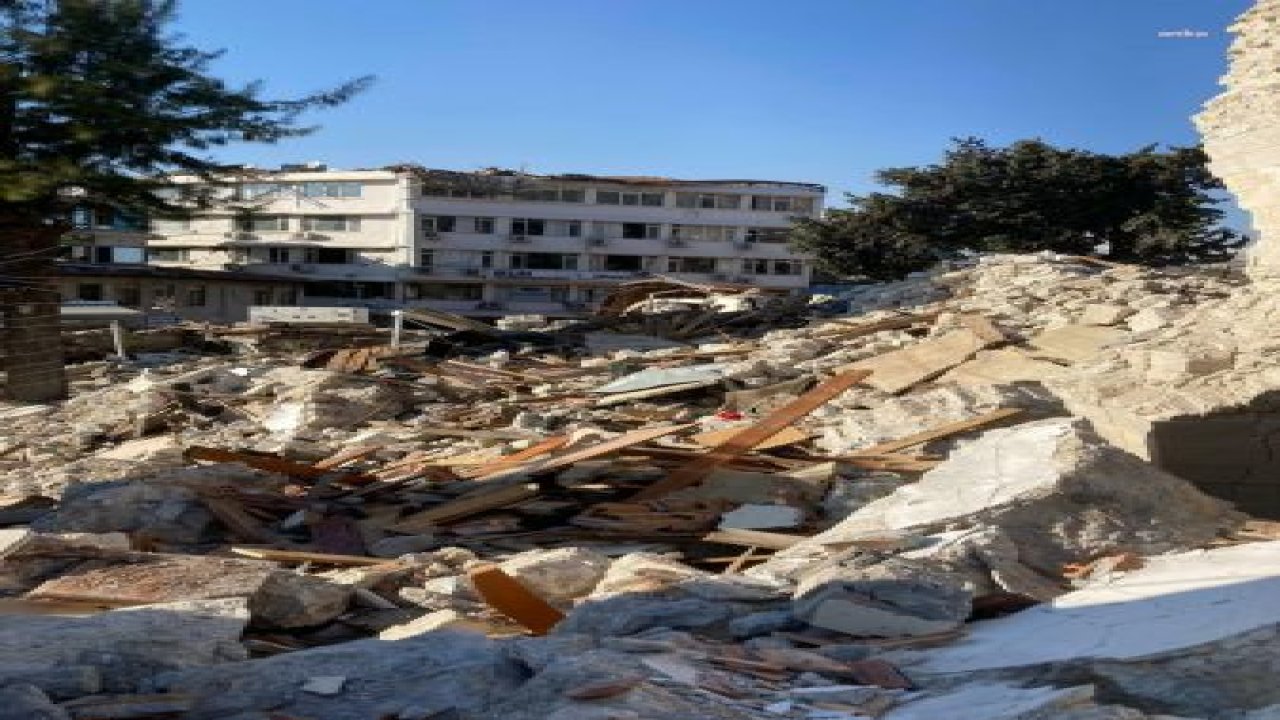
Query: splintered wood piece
pixel 753 539
pixel 551 444
pixel 880 674
pixel 983 328
pixel 604 688
pixel 788 436
pixel 471 504
pixel 511 598
pixel 747 438
pixel 856 330
pixel 270 463
pixel 345 456
pixel 301 556
pixel 741 560
pixel 601 449
pixel 941 431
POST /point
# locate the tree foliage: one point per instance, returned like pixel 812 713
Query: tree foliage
pixel 100 103
pixel 1149 206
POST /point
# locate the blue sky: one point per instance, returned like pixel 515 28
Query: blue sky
pixel 822 91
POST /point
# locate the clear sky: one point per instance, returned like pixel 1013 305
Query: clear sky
pixel 821 91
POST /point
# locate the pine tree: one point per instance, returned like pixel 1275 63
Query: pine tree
pixel 98 105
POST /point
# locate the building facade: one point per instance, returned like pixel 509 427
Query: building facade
pixel 480 244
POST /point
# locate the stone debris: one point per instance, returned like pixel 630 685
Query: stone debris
pixel 584 520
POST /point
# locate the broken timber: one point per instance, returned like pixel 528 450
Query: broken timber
pixel 747 438
pixel 939 432
pixel 511 598
pixel 476 502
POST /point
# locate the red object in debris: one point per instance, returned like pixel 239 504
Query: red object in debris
pixel 729 415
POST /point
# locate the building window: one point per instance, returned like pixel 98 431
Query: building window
pixel 768 235
pixel 89 291
pixel 262 223
pixel 196 296
pixel 544 261
pixel 438 223
pixel 441 291
pixel 426 258
pixel 486 259
pixel 641 231
pixel 329 256
pixel 703 233
pixel 129 296
pixel 287 296
pixel 484 225
pixel 439 190
pixel 253 191
pixel 691 265
pixel 758 266
pixel 617 197
pixel 774 203
pixel 528 226
pixel 708 201
pixel 331 223
pixel 565 228
pixel 262 297
pixel 278 256
pixel 168 254
pixel 330 189
pixel 551 194
pixel 623 263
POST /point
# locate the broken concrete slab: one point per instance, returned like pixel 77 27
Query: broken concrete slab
pixel 870 596
pixel 20 701
pixel 898 371
pixel 994 702
pixel 1058 490
pixel 560 576
pixel 420 676
pixel 1190 633
pixel 1077 343
pixel 276 598
pixel 164 512
pixel 127 646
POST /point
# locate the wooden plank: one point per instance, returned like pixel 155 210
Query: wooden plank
pixel 270 463
pixel 511 598
pixel 856 330
pixel 982 326
pixel 343 457
pixel 789 436
pixel 753 538
pixel 302 556
pixel 941 431
pixel 551 444
pixel 626 397
pixel 741 560
pixel 747 438
pixel 601 449
pixel 464 506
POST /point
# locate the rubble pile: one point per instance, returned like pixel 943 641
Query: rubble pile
pixel 927 508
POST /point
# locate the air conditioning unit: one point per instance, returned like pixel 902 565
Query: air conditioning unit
pixel 597 242
pixel 520 239
pixel 574 305
pixel 430 235
pixel 489 305
pixel 676 242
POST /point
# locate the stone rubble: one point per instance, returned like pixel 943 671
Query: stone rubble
pixel 927 580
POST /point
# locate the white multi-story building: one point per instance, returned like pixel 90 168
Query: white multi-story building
pixel 491 243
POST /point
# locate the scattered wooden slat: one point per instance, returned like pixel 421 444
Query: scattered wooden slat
pixel 456 509
pixel 605 688
pixel 754 539
pixel 551 444
pixel 741 560
pixel 880 674
pixel 856 330
pixel 982 326
pixel 941 431
pixel 270 463
pixel 302 556
pixel 511 598
pixel 345 456
pixel 788 436
pixel 747 438
pixel 591 452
